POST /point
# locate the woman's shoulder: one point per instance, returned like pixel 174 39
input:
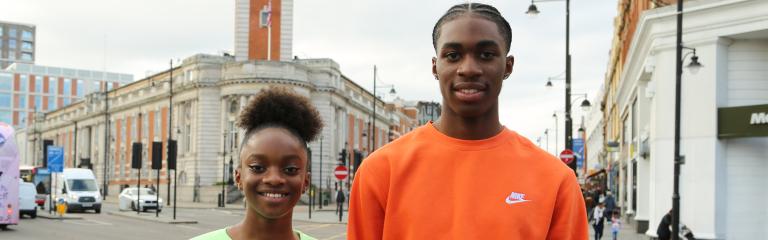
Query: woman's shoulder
pixel 220 234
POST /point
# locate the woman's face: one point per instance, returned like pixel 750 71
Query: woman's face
pixel 272 174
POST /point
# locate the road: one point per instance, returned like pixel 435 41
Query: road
pixel 111 226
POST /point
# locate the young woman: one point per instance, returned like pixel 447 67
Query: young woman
pixel 272 171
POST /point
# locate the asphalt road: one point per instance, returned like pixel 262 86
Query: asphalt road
pixel 108 226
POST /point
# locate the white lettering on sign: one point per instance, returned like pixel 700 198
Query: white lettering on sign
pixel 759 118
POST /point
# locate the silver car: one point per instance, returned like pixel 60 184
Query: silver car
pixel 140 199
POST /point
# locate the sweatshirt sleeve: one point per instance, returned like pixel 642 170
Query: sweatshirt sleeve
pixel 367 203
pixel 569 220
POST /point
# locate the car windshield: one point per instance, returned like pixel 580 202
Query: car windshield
pixel 82 185
pixel 144 192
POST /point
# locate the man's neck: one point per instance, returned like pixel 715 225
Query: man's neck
pixel 476 128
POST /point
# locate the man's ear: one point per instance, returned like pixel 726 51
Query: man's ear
pixel 434 68
pixel 509 64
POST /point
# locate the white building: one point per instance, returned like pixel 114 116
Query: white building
pixel 723 188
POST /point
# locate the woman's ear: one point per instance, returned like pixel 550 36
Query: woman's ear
pixel 238 182
pixel 306 182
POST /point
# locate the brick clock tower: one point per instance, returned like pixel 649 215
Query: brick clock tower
pixel 262 26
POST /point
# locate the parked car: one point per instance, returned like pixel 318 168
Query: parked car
pixel 140 199
pixel 27 205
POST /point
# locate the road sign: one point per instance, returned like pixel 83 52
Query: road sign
pixel 55 159
pixel 566 156
pixel 341 172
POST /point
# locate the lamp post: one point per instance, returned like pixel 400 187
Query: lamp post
pixel 554 115
pixel 546 137
pixel 373 114
pixel 532 11
pixel 678 159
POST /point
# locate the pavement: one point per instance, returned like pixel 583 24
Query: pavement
pixel 627 232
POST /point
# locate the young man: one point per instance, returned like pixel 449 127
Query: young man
pixel 466 176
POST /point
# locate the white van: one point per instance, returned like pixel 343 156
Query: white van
pixel 78 188
pixel 9 177
pixel 27 205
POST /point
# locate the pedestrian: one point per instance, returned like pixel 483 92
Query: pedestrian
pixel 663 231
pixel 597 220
pixel 466 176
pixel 615 225
pixel 272 170
pixel 340 199
pixel 610 203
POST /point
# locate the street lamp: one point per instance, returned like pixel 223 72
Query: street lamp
pixel 532 11
pixel 694 67
pixel 373 114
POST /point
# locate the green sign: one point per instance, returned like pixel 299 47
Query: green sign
pixel 747 121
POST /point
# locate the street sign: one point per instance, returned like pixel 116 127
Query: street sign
pixel 55 159
pixel 566 156
pixel 341 172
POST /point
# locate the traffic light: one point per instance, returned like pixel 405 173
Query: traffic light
pixel 343 157
pixel 358 159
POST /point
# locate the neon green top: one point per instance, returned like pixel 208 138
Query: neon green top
pixel 221 234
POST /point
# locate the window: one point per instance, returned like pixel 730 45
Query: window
pixel 38 85
pixel 5 116
pixel 12 43
pixel 95 86
pixel 65 101
pixel 26 56
pixel 157 126
pixel 67 87
pixel 23 83
pixel 22 101
pixel 26 35
pixel 38 104
pixel 26 46
pixel 11 55
pixel 1 31
pixel 5 100
pixel 79 88
pixel 109 85
pixel 264 16
pixel 6 79
pixel 51 103
pixel 52 81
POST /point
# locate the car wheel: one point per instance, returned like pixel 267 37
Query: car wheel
pixel 3 227
pixel 33 215
pixel 98 209
pixel 133 206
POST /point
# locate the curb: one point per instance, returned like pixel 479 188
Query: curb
pixel 152 219
pixel 54 217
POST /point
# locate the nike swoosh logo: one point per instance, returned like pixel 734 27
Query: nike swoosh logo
pixel 510 202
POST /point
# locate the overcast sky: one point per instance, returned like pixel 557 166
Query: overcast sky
pixel 140 36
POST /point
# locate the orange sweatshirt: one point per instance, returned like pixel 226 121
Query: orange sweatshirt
pixel 426 185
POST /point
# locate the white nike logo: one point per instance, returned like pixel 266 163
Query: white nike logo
pixel 516 198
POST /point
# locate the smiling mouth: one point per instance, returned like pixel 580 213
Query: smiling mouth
pixel 275 196
pixel 469 94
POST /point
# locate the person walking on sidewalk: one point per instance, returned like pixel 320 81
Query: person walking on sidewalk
pixel 340 199
pixel 615 225
pixel 272 170
pixel 466 176
pixel 597 218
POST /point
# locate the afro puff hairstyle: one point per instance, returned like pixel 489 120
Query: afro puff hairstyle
pixel 281 107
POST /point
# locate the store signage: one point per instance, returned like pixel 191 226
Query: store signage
pixel 746 121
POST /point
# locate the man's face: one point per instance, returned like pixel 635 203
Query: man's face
pixel 272 175
pixel 471 64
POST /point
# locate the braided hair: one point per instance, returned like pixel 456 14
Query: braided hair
pixel 283 108
pixel 488 12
